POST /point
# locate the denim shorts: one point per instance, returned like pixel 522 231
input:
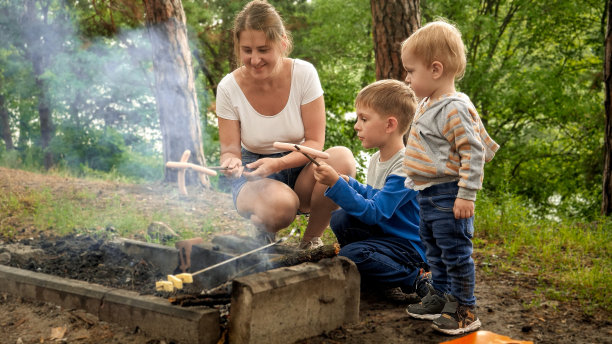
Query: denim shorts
pixel 288 176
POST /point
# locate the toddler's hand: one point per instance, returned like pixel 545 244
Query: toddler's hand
pixel 326 174
pixel 463 208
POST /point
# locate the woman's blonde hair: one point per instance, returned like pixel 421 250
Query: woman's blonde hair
pixel 438 41
pixel 261 16
pixel 389 98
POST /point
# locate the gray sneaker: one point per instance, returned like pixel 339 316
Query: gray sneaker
pixel 430 306
pixel 311 244
pixel 456 319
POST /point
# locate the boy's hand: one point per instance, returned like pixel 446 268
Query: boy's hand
pixel 326 175
pixel 463 208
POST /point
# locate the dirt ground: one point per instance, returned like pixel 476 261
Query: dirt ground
pixel 508 302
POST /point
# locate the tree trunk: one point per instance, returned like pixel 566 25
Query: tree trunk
pixel 177 102
pixel 393 21
pixel 606 205
pixel 36 53
pixel 5 129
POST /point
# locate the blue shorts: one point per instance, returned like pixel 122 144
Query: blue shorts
pixel 288 176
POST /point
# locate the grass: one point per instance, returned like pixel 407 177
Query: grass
pixel 571 259
pixel 568 259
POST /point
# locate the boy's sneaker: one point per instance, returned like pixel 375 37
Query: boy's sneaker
pixel 311 244
pixel 422 282
pixel 456 319
pixel 430 306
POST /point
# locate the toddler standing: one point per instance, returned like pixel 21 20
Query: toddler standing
pixel 444 160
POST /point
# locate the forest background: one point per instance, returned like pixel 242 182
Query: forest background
pixel 535 73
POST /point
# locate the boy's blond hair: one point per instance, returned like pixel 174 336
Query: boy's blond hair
pixel 390 98
pixel 439 41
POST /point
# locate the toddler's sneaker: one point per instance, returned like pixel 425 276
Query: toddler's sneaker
pixel 456 319
pixel 430 306
pixel 311 244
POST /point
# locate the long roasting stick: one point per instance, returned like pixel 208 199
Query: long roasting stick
pixel 306 155
pixel 245 254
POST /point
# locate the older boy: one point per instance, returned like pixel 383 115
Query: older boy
pixel 377 225
pixel 445 155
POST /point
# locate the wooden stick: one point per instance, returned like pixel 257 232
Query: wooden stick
pixel 308 156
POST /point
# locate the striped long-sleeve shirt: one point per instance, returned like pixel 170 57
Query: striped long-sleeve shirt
pixel 448 142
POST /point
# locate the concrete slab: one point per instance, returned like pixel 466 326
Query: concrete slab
pixel 289 304
pixel 151 314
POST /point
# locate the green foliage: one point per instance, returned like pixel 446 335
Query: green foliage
pixel 97 149
pixel 534 74
pixel 574 256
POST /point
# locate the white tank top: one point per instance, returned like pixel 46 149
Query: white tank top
pixel 259 132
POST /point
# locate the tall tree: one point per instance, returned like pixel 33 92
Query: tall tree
pixel 393 21
pixel 5 129
pixel 35 30
pixel 175 92
pixel 606 206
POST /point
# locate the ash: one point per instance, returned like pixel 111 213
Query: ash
pixel 86 257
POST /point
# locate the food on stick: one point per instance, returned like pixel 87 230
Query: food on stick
pixel 175 164
pixel 299 148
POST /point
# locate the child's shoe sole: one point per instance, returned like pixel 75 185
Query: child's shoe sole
pixel 423 316
pixel 475 325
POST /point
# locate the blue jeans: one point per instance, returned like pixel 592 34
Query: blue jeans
pixel 448 242
pixel 288 176
pixel 382 260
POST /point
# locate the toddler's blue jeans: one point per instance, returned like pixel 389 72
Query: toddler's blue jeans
pixel 448 242
pixel 382 260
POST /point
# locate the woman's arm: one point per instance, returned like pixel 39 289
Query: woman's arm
pixel 229 139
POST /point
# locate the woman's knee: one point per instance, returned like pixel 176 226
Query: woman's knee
pixel 274 206
pixel 342 160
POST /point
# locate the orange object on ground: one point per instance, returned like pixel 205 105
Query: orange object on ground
pixel 485 337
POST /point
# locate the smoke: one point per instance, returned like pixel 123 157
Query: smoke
pixel 100 90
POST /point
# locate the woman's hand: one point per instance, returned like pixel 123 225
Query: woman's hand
pixel 326 175
pixel 262 168
pixel 234 167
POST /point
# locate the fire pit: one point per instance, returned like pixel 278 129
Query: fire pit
pixel 280 305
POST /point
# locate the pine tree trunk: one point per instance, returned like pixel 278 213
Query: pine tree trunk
pixel 5 129
pixel 606 205
pixel 177 102
pixel 393 22
pixel 36 54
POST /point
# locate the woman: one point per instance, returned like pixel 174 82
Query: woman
pixel 269 98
